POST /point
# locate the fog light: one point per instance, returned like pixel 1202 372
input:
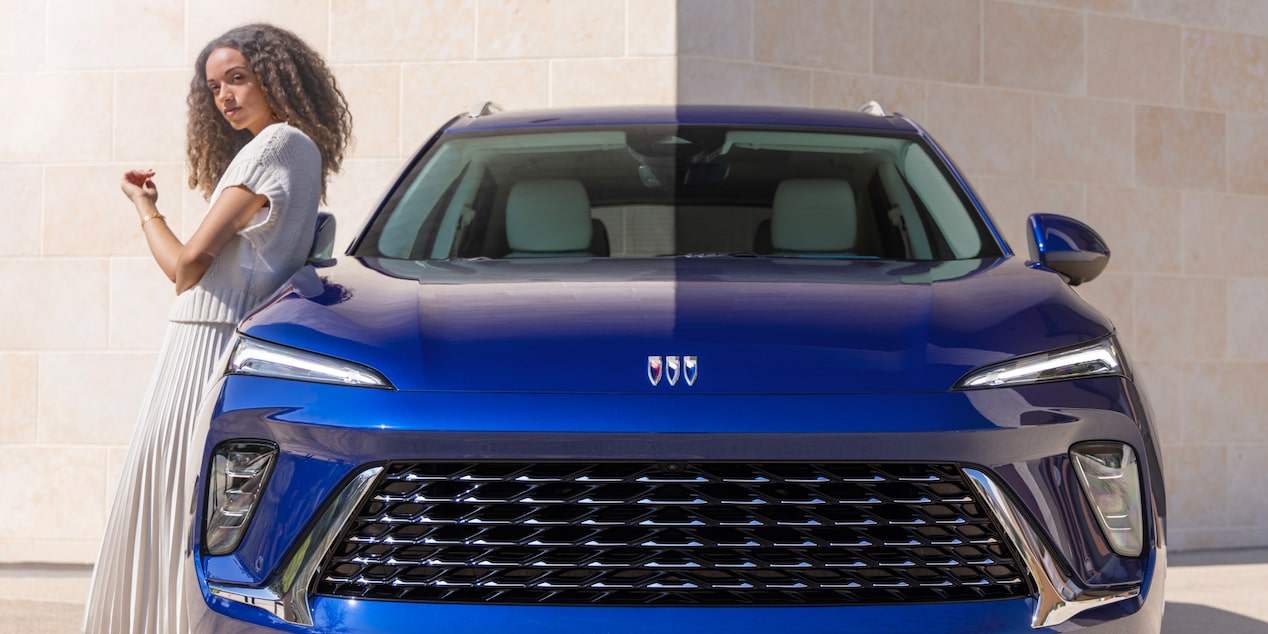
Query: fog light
pixel 239 472
pixel 1111 481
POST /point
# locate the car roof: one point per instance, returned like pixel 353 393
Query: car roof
pixel 697 115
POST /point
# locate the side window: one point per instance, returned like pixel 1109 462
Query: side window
pixel 457 212
pixel 943 204
pixel 475 234
pixel 418 202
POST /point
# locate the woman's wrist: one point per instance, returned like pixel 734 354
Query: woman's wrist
pixel 155 215
pixel 147 211
pixel 144 206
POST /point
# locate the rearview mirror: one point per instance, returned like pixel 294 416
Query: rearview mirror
pixel 1066 246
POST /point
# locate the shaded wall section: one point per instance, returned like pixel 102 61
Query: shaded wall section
pixel 1146 118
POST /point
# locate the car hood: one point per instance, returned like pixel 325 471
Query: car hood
pixel 753 325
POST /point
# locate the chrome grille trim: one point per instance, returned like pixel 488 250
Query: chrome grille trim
pixel 286 596
pixel 1060 597
pixel 646 534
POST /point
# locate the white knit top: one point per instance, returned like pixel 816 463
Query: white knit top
pixel 284 165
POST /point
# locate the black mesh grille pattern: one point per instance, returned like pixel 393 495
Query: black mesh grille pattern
pixel 672 534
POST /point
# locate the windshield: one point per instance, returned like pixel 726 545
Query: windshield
pixel 651 191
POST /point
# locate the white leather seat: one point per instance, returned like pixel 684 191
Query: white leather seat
pixel 548 217
pixel 814 215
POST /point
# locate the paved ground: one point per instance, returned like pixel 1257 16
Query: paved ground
pixel 1217 592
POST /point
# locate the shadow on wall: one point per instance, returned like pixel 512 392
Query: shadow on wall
pixel 1187 618
pixel 1218 558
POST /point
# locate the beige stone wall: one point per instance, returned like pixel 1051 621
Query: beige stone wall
pixel 1144 117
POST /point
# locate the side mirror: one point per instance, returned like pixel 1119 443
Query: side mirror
pixel 1067 246
pixel 323 240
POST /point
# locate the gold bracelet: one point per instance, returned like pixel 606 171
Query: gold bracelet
pixel 150 217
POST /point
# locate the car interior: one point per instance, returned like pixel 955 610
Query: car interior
pixel 657 192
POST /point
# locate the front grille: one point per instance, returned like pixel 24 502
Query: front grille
pixel 710 533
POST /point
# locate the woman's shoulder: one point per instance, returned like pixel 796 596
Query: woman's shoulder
pixel 285 135
pixel 282 143
pixel 273 160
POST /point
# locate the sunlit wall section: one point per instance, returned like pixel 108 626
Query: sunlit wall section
pixel 95 88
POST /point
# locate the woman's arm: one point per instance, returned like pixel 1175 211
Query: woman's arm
pixel 186 263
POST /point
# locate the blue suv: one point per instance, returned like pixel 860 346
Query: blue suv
pixel 699 369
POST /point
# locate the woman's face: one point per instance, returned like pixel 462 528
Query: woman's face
pixel 237 91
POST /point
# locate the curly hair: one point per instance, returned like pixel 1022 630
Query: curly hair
pixel 298 86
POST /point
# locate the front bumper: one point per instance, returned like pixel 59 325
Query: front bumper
pixel 1011 444
pixel 220 615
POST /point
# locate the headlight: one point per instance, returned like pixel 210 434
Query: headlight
pixel 239 471
pixel 1111 481
pixel 1099 358
pixel 260 358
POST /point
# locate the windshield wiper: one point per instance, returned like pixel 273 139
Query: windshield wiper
pixel 719 254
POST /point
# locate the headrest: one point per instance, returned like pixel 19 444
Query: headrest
pixel 548 215
pixel 813 215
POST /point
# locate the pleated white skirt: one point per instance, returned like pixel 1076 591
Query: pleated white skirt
pixel 136 584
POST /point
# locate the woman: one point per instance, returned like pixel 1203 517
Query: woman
pixel 267 125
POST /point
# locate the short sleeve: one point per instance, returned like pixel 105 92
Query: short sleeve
pixel 263 172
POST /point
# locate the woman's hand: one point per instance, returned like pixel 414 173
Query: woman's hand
pixel 138 187
pixel 186 263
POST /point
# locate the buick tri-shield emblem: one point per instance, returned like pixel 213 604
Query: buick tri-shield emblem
pixel 673 368
pixel 654 370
